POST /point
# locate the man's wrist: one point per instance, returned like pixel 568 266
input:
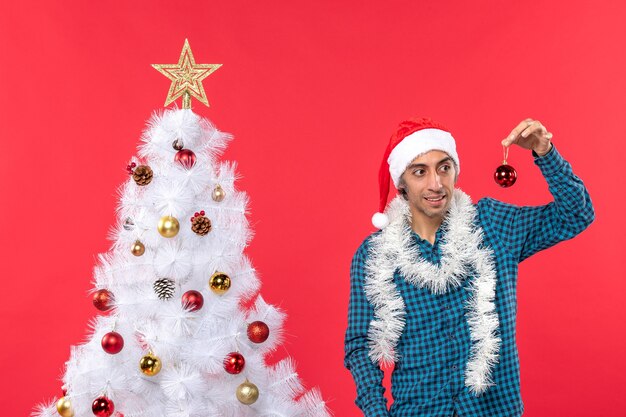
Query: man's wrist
pixel 551 163
pixel 542 152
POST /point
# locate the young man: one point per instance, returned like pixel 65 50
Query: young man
pixel 434 291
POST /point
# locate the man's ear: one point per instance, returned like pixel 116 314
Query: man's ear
pixel 402 187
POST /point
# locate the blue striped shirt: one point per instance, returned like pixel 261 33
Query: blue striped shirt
pixel 429 377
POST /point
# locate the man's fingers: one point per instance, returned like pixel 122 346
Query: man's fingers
pixel 518 130
pixel 507 142
pixel 514 135
pixel 524 129
pixel 534 127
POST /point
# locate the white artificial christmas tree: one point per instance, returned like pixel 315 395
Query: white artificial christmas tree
pixel 176 340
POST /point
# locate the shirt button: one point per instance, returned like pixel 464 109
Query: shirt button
pixel 454 367
pixel 451 336
pixel 455 399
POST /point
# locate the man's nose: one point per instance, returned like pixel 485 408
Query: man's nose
pixel 434 181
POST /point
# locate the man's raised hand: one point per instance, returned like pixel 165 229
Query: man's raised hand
pixel 530 134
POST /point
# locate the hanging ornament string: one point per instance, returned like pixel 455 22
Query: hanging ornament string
pixel 505 150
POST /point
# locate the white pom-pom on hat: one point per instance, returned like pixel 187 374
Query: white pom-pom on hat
pixel 380 220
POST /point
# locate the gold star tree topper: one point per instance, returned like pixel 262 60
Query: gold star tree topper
pixel 186 77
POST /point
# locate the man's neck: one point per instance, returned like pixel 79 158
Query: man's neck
pixel 426 227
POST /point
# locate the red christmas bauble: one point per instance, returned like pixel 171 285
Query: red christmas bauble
pixel 103 299
pixel 505 175
pixel 234 363
pixel 112 343
pixel 103 407
pixel 193 300
pixel 186 158
pixel 258 332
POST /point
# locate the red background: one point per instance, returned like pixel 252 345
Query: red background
pixel 312 91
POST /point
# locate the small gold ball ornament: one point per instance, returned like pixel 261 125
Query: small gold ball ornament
pixel 138 248
pixel 218 193
pixel 247 393
pixel 219 283
pixel 168 226
pixel 150 364
pixel 64 407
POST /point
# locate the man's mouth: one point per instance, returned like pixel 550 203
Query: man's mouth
pixel 435 198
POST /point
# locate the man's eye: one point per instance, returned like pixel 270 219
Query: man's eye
pixel 445 167
pixel 418 172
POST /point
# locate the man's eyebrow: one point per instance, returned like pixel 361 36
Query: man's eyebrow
pixel 446 159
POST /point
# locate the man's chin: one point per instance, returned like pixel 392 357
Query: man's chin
pixel 434 212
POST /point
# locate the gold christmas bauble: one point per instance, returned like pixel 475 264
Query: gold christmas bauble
pixel 168 226
pixel 150 364
pixel 64 407
pixel 219 283
pixel 218 193
pixel 138 248
pixel 247 393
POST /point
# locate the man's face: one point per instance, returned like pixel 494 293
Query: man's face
pixel 429 181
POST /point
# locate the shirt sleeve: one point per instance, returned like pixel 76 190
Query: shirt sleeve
pixel 529 229
pixel 367 376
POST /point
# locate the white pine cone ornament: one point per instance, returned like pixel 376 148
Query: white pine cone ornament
pixel 164 288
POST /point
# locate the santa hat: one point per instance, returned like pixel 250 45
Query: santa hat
pixel 412 138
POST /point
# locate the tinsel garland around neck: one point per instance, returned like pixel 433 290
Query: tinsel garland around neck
pixel 462 252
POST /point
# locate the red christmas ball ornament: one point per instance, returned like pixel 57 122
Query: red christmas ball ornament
pixel 234 363
pixel 258 332
pixel 103 407
pixel 103 300
pixel 193 300
pixel 505 175
pixel 112 343
pixel 186 158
